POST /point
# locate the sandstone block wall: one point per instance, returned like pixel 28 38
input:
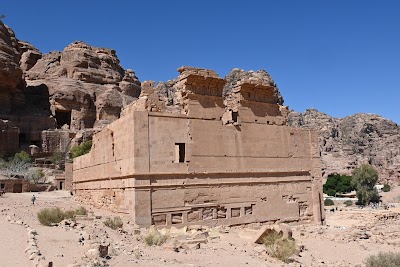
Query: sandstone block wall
pixel 258 173
pixel 194 167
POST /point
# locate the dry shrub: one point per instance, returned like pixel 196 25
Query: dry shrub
pixel 348 203
pixel 154 237
pixel 113 223
pixel 49 216
pixel 383 259
pixel 278 247
pixel 55 215
pixel 80 211
pixel 69 214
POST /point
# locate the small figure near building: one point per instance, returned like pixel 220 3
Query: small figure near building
pixel 33 199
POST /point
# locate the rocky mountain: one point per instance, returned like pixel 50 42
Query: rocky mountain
pixel 75 91
pixel 348 142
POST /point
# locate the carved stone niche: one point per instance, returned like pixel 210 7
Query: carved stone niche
pixel 200 93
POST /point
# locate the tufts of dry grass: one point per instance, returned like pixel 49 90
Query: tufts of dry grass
pixel 278 247
pixel 113 223
pixel 154 237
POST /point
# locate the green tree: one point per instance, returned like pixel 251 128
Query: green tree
pixel 337 183
pixel 22 156
pixel 81 149
pixel 364 180
pixel 36 175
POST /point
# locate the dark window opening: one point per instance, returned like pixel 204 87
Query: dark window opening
pixel 36 143
pixel 180 152
pixel 62 118
pixel 22 138
pixel 2 186
pixel 235 116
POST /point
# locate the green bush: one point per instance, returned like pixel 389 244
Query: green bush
pixel 57 158
pixel 278 247
pixel 328 202
pixel 114 223
pixel 81 149
pixel 154 237
pixel 348 203
pixel 49 216
pixel 386 188
pixel 337 183
pixel 383 259
pixel 22 156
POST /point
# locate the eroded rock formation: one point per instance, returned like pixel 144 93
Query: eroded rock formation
pixel 11 76
pixel 77 89
pixel 86 85
pixel 361 138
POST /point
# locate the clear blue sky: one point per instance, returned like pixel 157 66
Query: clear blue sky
pixel 340 57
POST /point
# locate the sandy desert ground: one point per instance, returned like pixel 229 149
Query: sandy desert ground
pixel 349 236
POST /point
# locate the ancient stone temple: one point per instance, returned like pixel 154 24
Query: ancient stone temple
pixel 219 152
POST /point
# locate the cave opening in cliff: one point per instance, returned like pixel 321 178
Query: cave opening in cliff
pixel 63 117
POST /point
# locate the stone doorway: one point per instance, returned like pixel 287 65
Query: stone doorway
pixel 17 188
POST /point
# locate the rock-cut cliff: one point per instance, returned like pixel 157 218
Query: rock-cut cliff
pixel 348 142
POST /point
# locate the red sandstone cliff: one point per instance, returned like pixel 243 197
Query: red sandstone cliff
pixel 11 76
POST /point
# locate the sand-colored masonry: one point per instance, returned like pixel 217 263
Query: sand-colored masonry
pixel 210 164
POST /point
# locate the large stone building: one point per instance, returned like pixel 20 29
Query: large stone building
pixel 224 156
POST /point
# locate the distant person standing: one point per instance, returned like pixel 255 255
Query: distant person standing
pixel 33 199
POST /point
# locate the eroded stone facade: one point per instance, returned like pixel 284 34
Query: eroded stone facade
pixel 220 159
